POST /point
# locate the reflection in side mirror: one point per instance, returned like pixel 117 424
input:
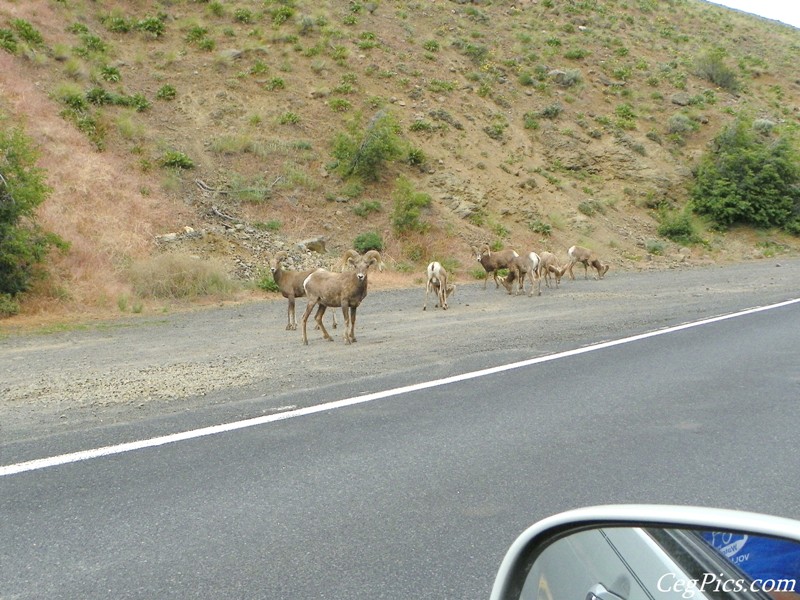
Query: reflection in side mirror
pixel 635 553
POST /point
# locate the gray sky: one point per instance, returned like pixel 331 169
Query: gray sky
pixel 787 11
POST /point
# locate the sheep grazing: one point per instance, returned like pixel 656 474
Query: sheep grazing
pixel 290 285
pixel 522 267
pixel 345 290
pixel 579 254
pixel 492 261
pixel 437 282
pixel 550 267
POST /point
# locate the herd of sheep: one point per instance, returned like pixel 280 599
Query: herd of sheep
pixel 346 289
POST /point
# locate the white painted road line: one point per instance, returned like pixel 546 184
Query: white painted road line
pixel 52 461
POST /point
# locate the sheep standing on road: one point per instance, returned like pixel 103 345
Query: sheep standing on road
pixel 345 290
pixel 579 254
pixel 437 282
pixel 492 261
pixel 522 267
pixel 290 285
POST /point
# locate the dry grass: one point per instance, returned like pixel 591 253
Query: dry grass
pixel 180 276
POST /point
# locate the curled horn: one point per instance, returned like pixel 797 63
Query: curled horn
pixel 374 256
pixel 348 257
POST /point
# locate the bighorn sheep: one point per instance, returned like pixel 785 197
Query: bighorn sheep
pixel 438 282
pixel 492 261
pixel 290 285
pixel 521 267
pixel 579 254
pixel 550 267
pixel 345 290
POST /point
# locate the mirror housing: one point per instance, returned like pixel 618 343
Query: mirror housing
pixel 528 547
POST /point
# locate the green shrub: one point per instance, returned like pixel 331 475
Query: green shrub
pixel 243 15
pixel 166 92
pixel 576 53
pixel 367 207
pixel 8 306
pixel 340 105
pixel 550 112
pixel 27 32
pixel 110 74
pixel 8 41
pixel 416 157
pixel 363 153
pixel 176 160
pixel 748 178
pixel 23 244
pixel 678 227
pixel 369 240
pixel 267 283
pixel 540 227
pixel 591 207
pixel 282 14
pixel 289 118
pixel 654 247
pixel 408 206
pixel 711 66
pixel 681 123
pixel 117 24
pixel 152 25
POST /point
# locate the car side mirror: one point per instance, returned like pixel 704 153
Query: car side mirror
pixel 646 552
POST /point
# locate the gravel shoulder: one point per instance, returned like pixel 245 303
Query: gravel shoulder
pixel 146 366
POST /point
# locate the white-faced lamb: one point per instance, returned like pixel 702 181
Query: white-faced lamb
pixel 345 290
pixel 579 254
pixel 439 284
pixel 522 267
pixel 290 285
pixel 493 261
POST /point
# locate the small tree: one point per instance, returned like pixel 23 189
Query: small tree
pixel 408 206
pixel 363 153
pixel 748 178
pixel 23 244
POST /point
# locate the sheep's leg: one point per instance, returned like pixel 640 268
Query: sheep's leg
pixel 352 324
pixel 427 291
pixel 318 319
pixel 291 320
pixel 443 295
pixel 333 314
pixel 307 312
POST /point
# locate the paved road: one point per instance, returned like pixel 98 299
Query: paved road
pixel 417 495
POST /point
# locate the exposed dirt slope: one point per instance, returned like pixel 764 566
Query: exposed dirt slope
pixel 543 124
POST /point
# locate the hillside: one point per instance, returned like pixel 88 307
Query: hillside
pixel 533 124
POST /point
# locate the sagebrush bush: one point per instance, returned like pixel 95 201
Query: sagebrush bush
pixel 711 66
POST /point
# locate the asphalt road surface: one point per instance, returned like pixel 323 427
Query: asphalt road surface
pixel 408 494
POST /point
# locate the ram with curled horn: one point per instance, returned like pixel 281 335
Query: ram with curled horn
pixel 345 290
